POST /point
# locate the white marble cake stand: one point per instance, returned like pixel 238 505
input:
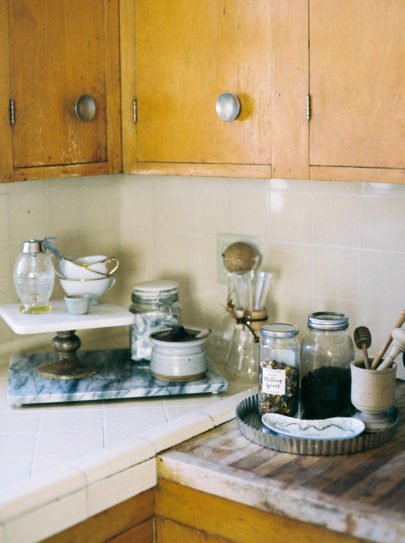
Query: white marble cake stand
pixel 66 342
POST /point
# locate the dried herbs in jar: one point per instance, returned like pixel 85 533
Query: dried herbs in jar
pixel 279 369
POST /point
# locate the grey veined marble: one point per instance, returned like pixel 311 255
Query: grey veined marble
pixel 117 377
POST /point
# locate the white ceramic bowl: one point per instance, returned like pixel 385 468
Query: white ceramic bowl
pixel 88 267
pixel 94 287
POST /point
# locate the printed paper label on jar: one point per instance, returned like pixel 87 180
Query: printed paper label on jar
pixel 273 381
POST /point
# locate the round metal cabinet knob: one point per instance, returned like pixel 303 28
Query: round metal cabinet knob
pixel 85 108
pixel 227 106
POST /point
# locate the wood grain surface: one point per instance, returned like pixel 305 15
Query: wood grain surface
pixel 59 51
pixel 131 520
pixel 357 67
pixel 186 514
pixel 366 488
pixel 186 55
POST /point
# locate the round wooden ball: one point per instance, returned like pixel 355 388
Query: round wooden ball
pixel 239 257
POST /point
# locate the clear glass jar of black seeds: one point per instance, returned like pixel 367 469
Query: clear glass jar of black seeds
pixel 279 369
pixel 326 352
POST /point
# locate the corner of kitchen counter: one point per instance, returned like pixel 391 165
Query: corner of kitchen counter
pixel 59 498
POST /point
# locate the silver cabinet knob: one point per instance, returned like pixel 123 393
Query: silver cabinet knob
pixel 85 108
pixel 227 106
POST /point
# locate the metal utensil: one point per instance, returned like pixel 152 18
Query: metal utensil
pixel 362 339
pixel 53 249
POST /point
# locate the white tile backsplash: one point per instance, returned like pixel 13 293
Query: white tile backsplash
pixel 329 244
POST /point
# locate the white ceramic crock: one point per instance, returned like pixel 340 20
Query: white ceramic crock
pixel 178 361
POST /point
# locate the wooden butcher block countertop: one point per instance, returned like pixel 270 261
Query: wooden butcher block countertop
pixel 361 495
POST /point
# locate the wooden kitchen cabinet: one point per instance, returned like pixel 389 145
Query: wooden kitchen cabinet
pixel 187 514
pixel 177 58
pixel 129 521
pixel 357 87
pixel 51 54
pixel 348 57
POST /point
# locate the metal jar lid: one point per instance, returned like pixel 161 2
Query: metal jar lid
pixel 151 290
pixel 279 330
pixel 33 246
pixel 328 320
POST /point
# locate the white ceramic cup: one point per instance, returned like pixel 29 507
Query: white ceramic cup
pixel 94 287
pixel 78 304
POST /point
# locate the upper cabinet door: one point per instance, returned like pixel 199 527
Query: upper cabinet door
pixel 60 51
pixel 357 86
pixel 186 55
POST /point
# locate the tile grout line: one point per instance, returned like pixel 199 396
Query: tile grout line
pixel 36 446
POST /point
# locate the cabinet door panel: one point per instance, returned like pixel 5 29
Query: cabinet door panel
pixel 187 54
pixel 57 53
pixel 357 83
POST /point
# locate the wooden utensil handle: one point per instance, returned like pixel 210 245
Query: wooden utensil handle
pixel 365 356
pixel 398 324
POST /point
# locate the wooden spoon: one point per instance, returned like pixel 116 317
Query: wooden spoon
pixel 398 346
pixel 398 324
pixel 362 339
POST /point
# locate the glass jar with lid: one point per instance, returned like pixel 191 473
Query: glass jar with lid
pixel 155 305
pixel 279 361
pixel 326 353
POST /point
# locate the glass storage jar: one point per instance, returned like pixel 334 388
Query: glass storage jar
pixel 156 306
pixel 279 361
pixel 326 353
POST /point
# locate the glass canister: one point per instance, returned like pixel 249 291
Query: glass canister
pixel 34 277
pixel 279 367
pixel 326 353
pixel 156 306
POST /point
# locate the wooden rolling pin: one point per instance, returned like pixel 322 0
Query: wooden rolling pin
pixel 398 324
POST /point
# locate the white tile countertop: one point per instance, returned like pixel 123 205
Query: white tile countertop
pixel 62 463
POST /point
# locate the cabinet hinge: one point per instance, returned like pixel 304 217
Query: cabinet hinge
pixel 135 110
pixel 309 108
pixel 11 111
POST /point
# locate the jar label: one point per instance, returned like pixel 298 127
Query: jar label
pixel 273 381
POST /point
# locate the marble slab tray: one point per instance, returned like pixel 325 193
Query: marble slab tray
pixel 117 377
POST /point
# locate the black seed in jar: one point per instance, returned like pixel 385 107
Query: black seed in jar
pixel 284 404
pixel 325 392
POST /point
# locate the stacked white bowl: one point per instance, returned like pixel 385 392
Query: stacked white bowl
pixel 88 275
